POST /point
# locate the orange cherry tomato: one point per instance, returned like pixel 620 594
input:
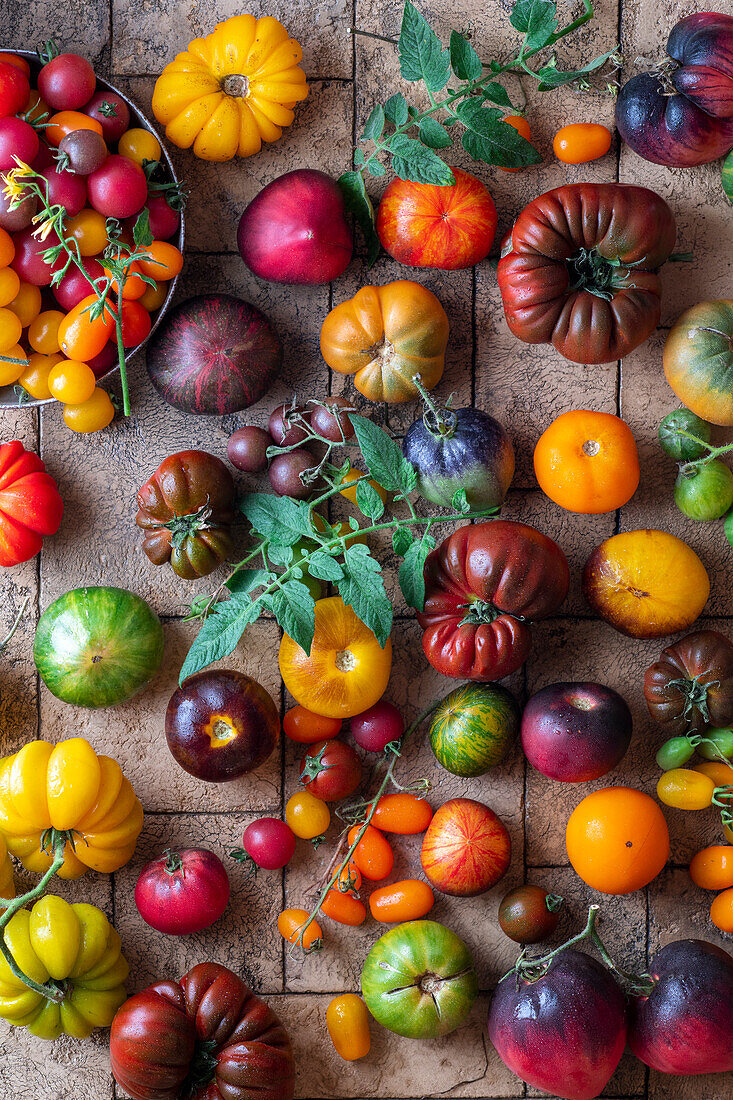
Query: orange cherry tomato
pixel 164 262
pixel 721 911
pixel 407 900
pixel 66 122
pixel 91 415
pixel 373 854
pixel 18 62
pixel 712 868
pixel 154 296
pixel 720 773
pixel 27 303
pixel 10 329
pixel 34 378
pixel 581 141
pixel 89 230
pixel 350 493
pixel 587 462
pixel 289 924
pixel 305 727
pixel 82 336
pixel 43 331
pixel 12 364
pixel 403 813
pixel 9 286
pixel 350 878
pixel 520 124
pixel 139 145
pixel 347 1020
pixel 71 382
pixel 344 908
pixel 136 323
pixel 133 287
pixel 7 248
pixel 36 110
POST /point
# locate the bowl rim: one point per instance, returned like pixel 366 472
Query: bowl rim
pixel 139 116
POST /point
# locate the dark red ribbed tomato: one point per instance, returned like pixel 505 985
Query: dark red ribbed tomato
pixel 214 354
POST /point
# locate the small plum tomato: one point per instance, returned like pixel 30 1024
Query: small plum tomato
pixel 27 303
pixel 675 753
pixel 16 60
pixel 306 728
pixel 520 124
pixel 81 335
pixel 34 378
pixel 247 451
pixel 373 854
pixel 330 770
pixel 37 110
pixel 377 727
pixel 71 381
pixel 133 286
pixel 66 122
pixel 344 908
pixel 139 145
pixel 7 248
pixel 67 81
pixel 403 813
pixel 65 189
pixel 91 415
pixel 14 89
pixel 89 230
pixel 350 878
pixel 75 285
pixel 716 742
pixel 307 816
pixel 12 364
pixel 17 139
pixel 410 899
pixel 10 329
pixel 587 462
pixel 685 789
pixel 347 1020
pixel 712 867
pixel 290 924
pixel 720 773
pixel 136 323
pixel 9 287
pixel 154 296
pixel 528 914
pixel 43 331
pixel 269 842
pixel 721 911
pixel 111 112
pixel 581 141
pixel 164 261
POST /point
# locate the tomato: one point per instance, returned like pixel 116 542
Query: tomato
pixel 705 491
pixel 373 854
pixel 528 914
pixel 685 789
pixel 617 840
pixel 92 415
pixel 350 878
pixel 307 816
pixel 154 296
pixel 28 261
pixel 305 727
pixel 71 381
pixel 10 329
pixel 76 284
pixel 67 81
pixel 136 323
pixel 473 727
pixel 9 286
pixel 133 286
pixel 419 980
pixel 139 145
pixel 81 335
pixel 164 220
pixel 89 230
pixel 66 122
pixel 717 742
pixel 520 124
pixel 697 358
pixel 720 773
pixel 269 842
pixel 162 262
pixel 712 867
pixel 343 907
pixel 27 303
pixel 587 462
pixel 406 900
pixel 691 685
pixel 403 813
pixel 678 446
pixel 34 378
pixel 65 188
pixel 12 364
pixel 102 364
pixel 330 770
pixel 289 925
pixel 30 504
pixel 347 1020
pixel 675 753
pixel 377 727
pixel 181 893
pixel 581 141
pixel 16 60
pixel 43 331
pixel 721 911
pixel 466 849
pixel 118 189
pixel 14 89
pixel 111 112
pixel 17 139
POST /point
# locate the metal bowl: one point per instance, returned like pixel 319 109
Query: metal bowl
pixel 8 397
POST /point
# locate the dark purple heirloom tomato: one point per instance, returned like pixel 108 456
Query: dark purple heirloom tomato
pixel 685 1025
pixel 682 114
pixel 575 732
pixel 563 1033
pixel 214 354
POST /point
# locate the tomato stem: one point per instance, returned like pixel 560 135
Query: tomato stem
pixel 16 623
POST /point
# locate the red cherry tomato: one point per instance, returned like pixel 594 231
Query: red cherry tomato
pixel 330 770
pixel 28 261
pixel 17 139
pixel 118 189
pixel 164 220
pixel 135 323
pixel 306 728
pixel 65 189
pixel 111 112
pixel 74 286
pixel 373 854
pixel 102 363
pixel 269 842
pixel 181 893
pixel 16 60
pixel 376 727
pixel 67 82
pixel 14 89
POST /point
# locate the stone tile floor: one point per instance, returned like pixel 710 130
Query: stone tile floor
pixel 525 387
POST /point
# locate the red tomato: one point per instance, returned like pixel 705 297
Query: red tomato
pixel 373 729
pixel 344 908
pixel 402 812
pixel 82 336
pixel 14 89
pixel 135 323
pixel 306 728
pixel 101 364
pixel 184 892
pixel 67 82
pixel 118 189
pixel 16 60
pixel 466 849
pixel 269 842
pixel 65 189
pixel 111 112
pixel 17 139
pixel 30 505
pixel 28 261
pixel 373 854
pixel 164 220
pixel 330 770
pixel 74 286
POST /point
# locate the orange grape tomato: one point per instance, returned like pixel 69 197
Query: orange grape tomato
pixel 11 371
pixel 17 61
pixel 34 378
pixel 10 329
pixel 71 381
pixel 289 924
pixel 685 789
pixel 407 900
pixel 721 911
pixel 27 303
pixel 712 868
pixel 305 727
pixel 133 288
pixel 43 331
pixel 344 908
pixel 581 141
pixel 347 1020
pixel 520 124
pixel 91 415
pixel 9 286
pixel 720 773
pixel 350 877
pixel 373 854
pixel 66 122
pixel 82 336
pixel 402 812
pixel 89 230
pixel 154 296
pixel 164 262
pixel 7 248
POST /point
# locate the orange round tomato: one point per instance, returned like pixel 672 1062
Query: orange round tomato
pixel 43 331
pixel 139 145
pixel 587 462
pixel 721 911
pixel 34 378
pixel 66 122
pixel 82 336
pixel 307 816
pixel 403 813
pixel 646 583
pixel 164 261
pixel 71 382
pixel 12 364
pixel 154 296
pixel 133 287
pixel 289 925
pixel 581 141
pixel 720 773
pixel 685 789
pixel 424 225
pixel 91 415
pixel 353 475
pixel 373 854
pixel 7 248
pixel 350 877
pixel 617 840
pixel 520 124
pixel 712 867
pixel 343 907
pixel 10 329
pixel 27 303
pixel 406 900
pixel 347 1020
pixel 89 229
pixel 9 286
pixel 346 671
pixel 305 727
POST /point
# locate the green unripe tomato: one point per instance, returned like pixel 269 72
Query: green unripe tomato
pixel 704 493
pixel 722 741
pixel 674 753
pixel 728 527
pixel 677 446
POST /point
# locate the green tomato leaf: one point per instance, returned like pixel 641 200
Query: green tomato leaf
pixel 279 519
pixel 374 124
pixel 294 608
pixel 490 139
pixel 537 19
pixel 368 500
pixel 383 456
pixel 465 62
pixel 357 203
pixel 411 578
pixel 413 161
pixel 433 134
pixel 421 52
pixel 401 540
pixel 396 109
pixel 362 587
pixel 497 93
pixel 460 501
pixel 551 77
pixel 279 555
pixel 375 167
pixel 726 176
pixel 244 580
pixel 324 567
pixel 220 633
pixel 141 232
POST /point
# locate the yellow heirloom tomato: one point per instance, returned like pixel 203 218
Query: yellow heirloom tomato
pixel 7 883
pixel 66 789
pixel 232 90
pixel 73 946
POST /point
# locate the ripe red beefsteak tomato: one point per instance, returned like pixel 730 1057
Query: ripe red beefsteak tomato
pixel 182 892
pixel 425 225
pixel 30 504
pixel 466 848
pixel 295 230
pixel 207 1037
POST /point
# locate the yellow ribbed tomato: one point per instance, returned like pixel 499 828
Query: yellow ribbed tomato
pixel 232 90
pixel 67 787
pixel 7 883
pixel 70 944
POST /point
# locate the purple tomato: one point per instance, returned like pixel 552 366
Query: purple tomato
pixel 182 892
pixel 66 82
pixel 17 139
pixel 269 842
pixel 285 430
pixel 373 729
pixel 111 112
pixel 74 286
pixel 247 448
pixel 19 218
pixel 118 189
pixel 65 189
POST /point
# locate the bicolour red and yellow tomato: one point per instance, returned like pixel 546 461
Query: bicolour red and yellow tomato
pixel 182 892
pixel 466 848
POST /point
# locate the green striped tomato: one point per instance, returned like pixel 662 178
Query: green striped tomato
pixel 726 175
pixel 473 727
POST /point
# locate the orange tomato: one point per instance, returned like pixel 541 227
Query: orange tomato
pixel 721 911
pixel 343 907
pixel 164 263
pixel 133 287
pixel 347 1020
pixel 82 336
pixel 350 877
pixel 10 329
pixel 406 900
pixel 289 924
pixel 617 840
pixel 12 364
pixel 346 671
pixel 27 303
pixel 373 854
pixel 587 462
pixel 350 493
pixel 646 583
pixel 43 331
pixel 581 141
pixel 403 813
pixel 71 382
pixel 34 378
pixel 9 286
pixel 91 415
pixel 154 296
pixel 17 61
pixel 7 248
pixel 712 868
pixel 66 122
pixel 520 124
pixel 720 773
pixel 36 110
pixel 305 727
pixel 89 230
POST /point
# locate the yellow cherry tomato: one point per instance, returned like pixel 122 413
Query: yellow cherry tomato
pixel 721 911
pixel 581 141
pixel 347 1020
pixel 72 382
pixel 43 331
pixel 350 493
pixel 89 230
pixel 7 248
pixel 139 145
pixel 27 303
pixel 289 925
pixel 307 816
pixel 685 789
pixel 520 124
pixel 12 364
pixel 91 415
pixel 10 329
pixel 153 297
pixel 34 378
pixel 9 286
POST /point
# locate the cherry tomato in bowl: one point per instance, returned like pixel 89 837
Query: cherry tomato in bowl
pixel 182 892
